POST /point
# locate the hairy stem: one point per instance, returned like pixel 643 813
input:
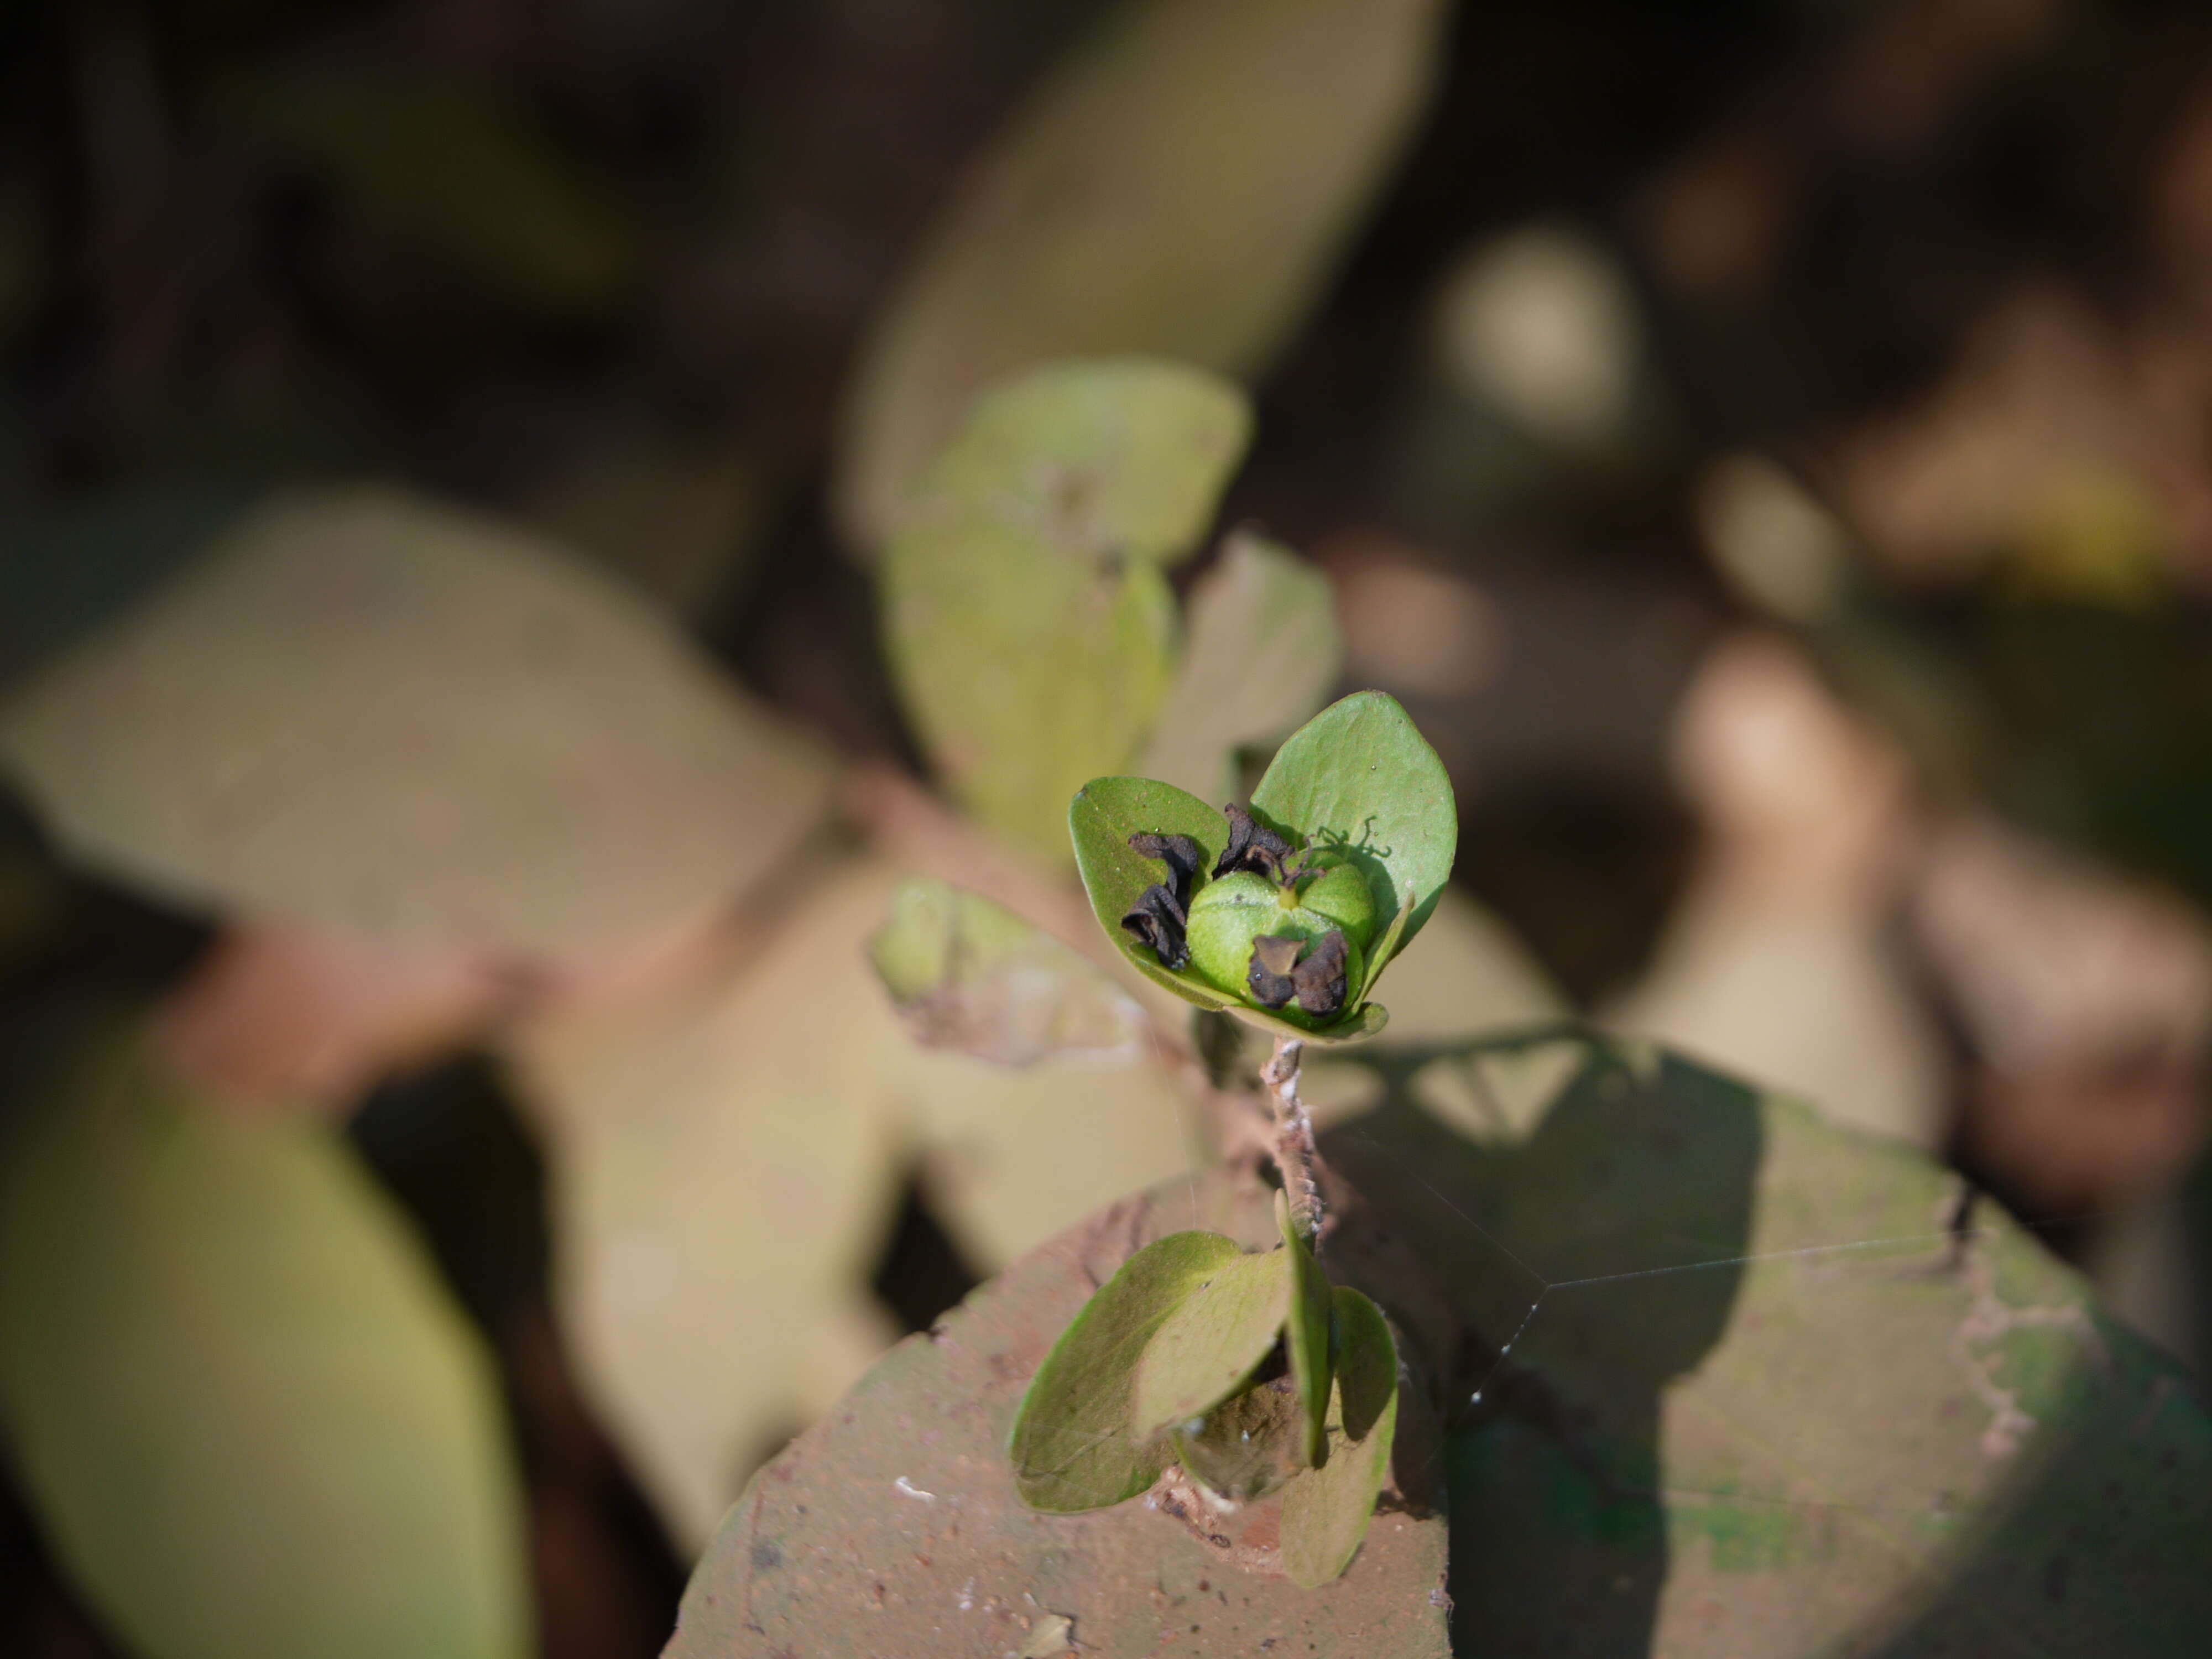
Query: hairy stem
pixel 1295 1155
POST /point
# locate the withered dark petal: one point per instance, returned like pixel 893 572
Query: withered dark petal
pixel 1181 855
pixel 1157 919
pixel 1252 846
pixel 1270 976
pixel 1320 979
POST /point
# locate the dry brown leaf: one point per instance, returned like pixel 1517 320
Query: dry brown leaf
pixel 1776 963
pixel 366 713
pixel 275 1015
pixel 2050 447
pixel 724 1154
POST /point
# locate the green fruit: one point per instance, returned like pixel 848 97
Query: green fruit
pixel 1342 895
pixel 1228 913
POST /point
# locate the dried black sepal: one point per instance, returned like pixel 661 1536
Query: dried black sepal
pixel 1274 960
pixel 1320 979
pixel 1277 975
pixel 1252 846
pixel 1179 854
pixel 1158 919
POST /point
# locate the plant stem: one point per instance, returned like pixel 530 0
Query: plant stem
pixel 1295 1155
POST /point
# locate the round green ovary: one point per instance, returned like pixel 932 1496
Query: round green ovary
pixel 1342 895
pixel 1228 913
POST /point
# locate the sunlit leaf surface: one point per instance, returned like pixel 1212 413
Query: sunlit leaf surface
pixel 369 713
pixel 1326 1510
pixel 1081 1439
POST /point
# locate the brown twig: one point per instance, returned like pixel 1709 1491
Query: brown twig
pixel 1295 1155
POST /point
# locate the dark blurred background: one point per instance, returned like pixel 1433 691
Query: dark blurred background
pixel 1768 445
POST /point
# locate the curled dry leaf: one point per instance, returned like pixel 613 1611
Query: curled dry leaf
pixel 971 976
pixel 367 713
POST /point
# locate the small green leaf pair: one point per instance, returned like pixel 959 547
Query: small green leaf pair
pixel 1250 1370
pixel 1286 914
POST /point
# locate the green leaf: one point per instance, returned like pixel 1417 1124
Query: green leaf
pixel 1074 1444
pixel 1101 819
pixel 1181 186
pixel 972 975
pixel 456 171
pixel 1307 1331
pixel 1094 460
pixel 1360 771
pixel 247 1415
pixel 1263 651
pixel 1204 1350
pixel 365 712
pixel 1030 629
pixel 1325 1510
pixel 868 1531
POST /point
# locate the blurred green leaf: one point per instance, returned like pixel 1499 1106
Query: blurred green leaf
pixel 1262 650
pixel 451 167
pixel 1326 1510
pixel 1030 631
pixel 1093 459
pixel 852 1541
pixel 1360 775
pixel 246 1414
pixel 1306 1330
pixel 971 976
pixel 1206 1348
pixel 1075 1443
pixel 1182 187
pixel 366 712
